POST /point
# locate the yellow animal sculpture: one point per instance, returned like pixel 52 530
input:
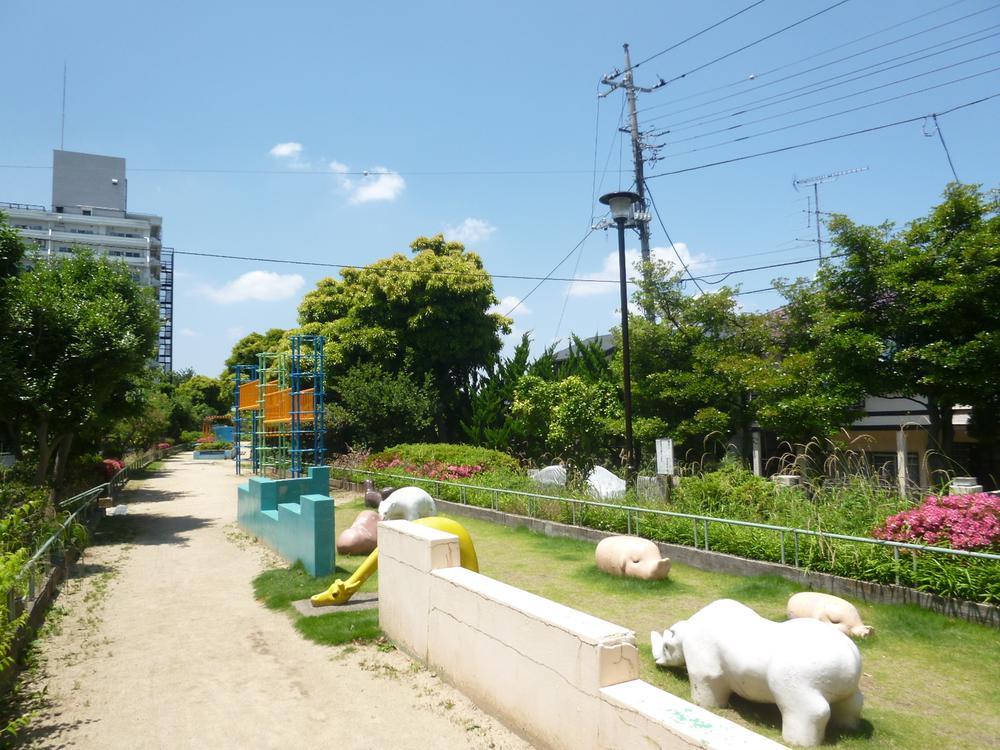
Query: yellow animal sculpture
pixel 341 591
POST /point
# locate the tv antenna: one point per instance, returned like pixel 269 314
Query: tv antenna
pixel 815 182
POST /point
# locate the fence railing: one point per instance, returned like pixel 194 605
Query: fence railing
pixel 700 525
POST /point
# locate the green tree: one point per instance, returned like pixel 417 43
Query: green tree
pixel 11 254
pixel 427 315
pixel 81 331
pixel 376 408
pixel 570 419
pixel 916 312
pixel 696 364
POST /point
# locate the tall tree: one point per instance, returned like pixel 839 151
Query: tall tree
pixel 917 312
pixel 81 333
pixel 428 315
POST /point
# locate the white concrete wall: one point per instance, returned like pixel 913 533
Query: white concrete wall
pixel 560 677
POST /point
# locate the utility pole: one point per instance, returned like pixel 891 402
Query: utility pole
pixel 640 218
pixel 642 223
pixel 815 182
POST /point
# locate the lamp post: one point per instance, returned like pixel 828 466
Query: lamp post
pixel 621 211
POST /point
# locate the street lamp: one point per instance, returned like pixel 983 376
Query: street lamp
pixel 621 211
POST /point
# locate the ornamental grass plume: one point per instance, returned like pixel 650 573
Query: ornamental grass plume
pixel 966 522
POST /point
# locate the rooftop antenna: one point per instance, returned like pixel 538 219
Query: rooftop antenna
pixel 62 122
pixel 815 182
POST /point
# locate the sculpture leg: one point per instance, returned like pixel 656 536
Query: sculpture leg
pixel 710 692
pixel 804 718
pixel 341 591
pixel 846 713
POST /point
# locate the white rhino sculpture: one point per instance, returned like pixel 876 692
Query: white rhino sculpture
pixel 809 669
pixel 408 504
pixel 829 609
pixel 631 556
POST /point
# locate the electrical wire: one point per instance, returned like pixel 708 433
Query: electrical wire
pixel 665 232
pixel 757 76
pixel 848 96
pixel 548 276
pixel 822 85
pixel 840 136
pixel 328 173
pixel 944 145
pixel 712 278
pixel 844 111
pixel 754 43
pixel 698 34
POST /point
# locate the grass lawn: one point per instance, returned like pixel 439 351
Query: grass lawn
pixel 928 680
pixel 280 587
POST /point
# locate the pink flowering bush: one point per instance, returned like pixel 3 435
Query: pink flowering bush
pixel 112 466
pixel 968 522
pixel 428 469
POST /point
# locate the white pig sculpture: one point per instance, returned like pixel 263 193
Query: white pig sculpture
pixel 829 609
pixel 408 504
pixel 809 669
pixel 631 556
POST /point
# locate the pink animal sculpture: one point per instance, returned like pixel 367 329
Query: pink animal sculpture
pixel 362 536
pixel 632 556
pixel 829 609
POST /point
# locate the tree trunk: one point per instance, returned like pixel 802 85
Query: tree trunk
pixel 64 444
pixel 940 438
pixel 44 452
pixel 11 438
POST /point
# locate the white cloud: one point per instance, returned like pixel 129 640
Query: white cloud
pixel 470 230
pixel 377 184
pixel 190 333
pixel 290 150
pixel 509 303
pixel 609 268
pixel 265 286
pixel 380 185
pixel 236 332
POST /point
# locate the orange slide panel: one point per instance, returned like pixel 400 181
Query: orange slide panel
pixel 249 396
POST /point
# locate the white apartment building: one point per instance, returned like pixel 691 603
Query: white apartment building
pixel 89 209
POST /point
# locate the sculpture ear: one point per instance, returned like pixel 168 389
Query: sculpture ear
pixel 657 641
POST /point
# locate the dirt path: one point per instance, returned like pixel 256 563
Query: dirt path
pixel 160 644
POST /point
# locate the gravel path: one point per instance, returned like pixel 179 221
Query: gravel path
pixel 159 643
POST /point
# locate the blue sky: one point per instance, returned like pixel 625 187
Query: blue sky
pixel 434 99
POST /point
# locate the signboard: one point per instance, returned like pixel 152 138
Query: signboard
pixel 664 456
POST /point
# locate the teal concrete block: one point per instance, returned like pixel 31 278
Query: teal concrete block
pixel 292 516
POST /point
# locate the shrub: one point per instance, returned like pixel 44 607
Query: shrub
pixel 968 522
pixel 112 466
pixel 213 445
pixel 446 454
pixel 191 436
pixel 163 446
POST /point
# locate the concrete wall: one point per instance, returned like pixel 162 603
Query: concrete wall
pixel 87 180
pixel 559 677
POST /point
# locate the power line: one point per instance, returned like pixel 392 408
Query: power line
pixel 711 278
pixel 944 145
pixel 698 34
pixel 672 247
pixel 843 111
pixel 548 276
pixel 823 140
pixel 753 43
pixel 800 91
pixel 849 96
pixel 757 76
